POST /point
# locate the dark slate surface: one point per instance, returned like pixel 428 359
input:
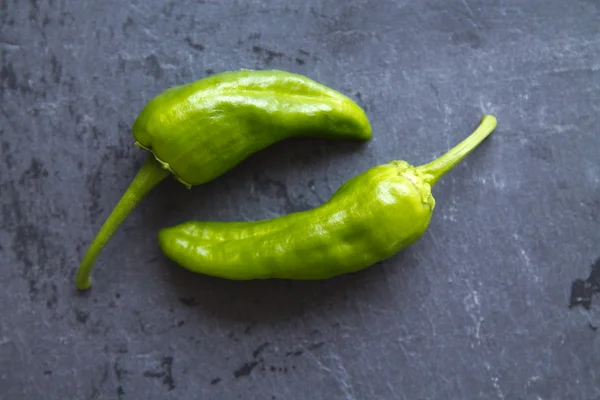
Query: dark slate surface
pixel 478 309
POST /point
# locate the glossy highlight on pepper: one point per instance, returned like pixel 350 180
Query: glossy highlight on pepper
pixel 200 130
pixel 368 219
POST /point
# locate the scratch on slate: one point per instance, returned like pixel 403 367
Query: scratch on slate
pixel 471 13
pixel 473 308
pixel 528 265
pixel 545 72
pixel 338 372
pixel 343 377
pixel 9 45
pixel 446 133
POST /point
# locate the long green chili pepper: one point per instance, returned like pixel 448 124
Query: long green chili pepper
pixel 368 219
pixel 200 130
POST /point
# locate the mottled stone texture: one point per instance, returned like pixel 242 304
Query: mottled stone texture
pixel 478 309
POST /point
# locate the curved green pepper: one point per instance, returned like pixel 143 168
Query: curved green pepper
pixel 368 219
pixel 200 130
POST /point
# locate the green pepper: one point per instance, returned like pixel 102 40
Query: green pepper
pixel 198 131
pixel 368 219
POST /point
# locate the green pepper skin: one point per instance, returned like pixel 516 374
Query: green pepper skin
pixel 368 219
pixel 198 131
pixel 201 130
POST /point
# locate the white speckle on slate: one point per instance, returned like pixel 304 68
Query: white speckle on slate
pixel 533 380
pixel 450 215
pixel 497 387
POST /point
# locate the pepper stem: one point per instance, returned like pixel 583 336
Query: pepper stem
pixel 437 168
pixel 149 175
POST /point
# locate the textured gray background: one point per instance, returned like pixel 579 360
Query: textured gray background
pixel 478 309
